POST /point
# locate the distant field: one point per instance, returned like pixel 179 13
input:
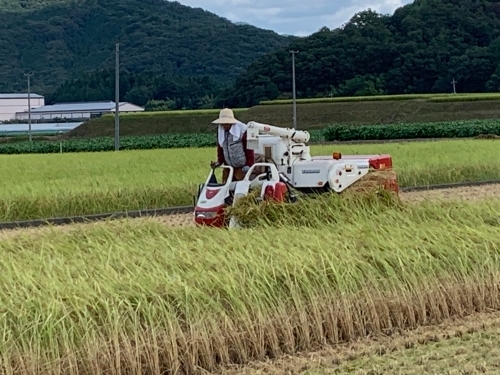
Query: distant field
pixel 47 185
pixel 427 97
pixel 148 123
pixel 311 114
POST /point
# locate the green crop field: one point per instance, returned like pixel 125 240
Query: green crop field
pixel 312 113
pixel 40 186
pixel 462 97
pixel 139 297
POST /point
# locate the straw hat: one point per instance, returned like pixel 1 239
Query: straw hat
pixel 226 116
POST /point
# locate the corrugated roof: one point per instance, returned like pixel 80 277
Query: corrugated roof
pixel 19 96
pixel 39 128
pixel 76 107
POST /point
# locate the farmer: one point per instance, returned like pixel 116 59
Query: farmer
pixel 232 146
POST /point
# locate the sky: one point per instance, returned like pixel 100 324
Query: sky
pixel 293 17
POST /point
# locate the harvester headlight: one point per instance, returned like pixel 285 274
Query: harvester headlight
pixel 206 215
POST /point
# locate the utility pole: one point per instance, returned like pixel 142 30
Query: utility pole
pixel 453 83
pixel 117 98
pixel 29 104
pixel 294 95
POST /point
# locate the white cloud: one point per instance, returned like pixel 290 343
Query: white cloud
pixel 296 17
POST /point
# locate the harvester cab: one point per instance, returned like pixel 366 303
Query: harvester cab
pixel 289 167
pixel 213 197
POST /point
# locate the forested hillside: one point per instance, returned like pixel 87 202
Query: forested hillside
pixel 18 5
pixel 60 40
pixel 153 90
pixel 419 49
pixel 173 56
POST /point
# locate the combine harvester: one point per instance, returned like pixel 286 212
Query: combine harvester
pixel 289 166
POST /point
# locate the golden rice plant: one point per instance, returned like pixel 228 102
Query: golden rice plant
pixel 41 186
pixel 317 209
pixel 134 297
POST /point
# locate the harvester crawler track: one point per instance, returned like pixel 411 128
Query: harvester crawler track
pixel 189 209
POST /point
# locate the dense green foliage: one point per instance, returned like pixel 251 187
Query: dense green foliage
pixel 172 54
pixel 419 49
pixel 126 143
pixel 454 129
pixel 18 5
pixel 159 36
pixel 157 92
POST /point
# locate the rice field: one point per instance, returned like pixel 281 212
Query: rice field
pixel 40 186
pixel 464 97
pixel 135 296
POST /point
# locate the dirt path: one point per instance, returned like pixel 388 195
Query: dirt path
pixel 464 346
pixel 472 193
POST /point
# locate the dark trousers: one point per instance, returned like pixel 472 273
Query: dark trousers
pixel 238 174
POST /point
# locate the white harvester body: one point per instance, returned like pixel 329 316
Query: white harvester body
pixel 289 165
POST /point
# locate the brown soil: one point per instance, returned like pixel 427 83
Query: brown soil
pixel 176 221
pixel 456 346
pixel 180 220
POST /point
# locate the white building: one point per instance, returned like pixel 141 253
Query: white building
pixel 84 110
pixel 10 104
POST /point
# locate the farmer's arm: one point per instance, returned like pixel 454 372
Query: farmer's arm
pixel 220 154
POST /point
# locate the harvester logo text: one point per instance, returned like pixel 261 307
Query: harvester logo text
pixel 310 171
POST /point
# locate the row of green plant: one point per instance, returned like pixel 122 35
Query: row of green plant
pixel 429 97
pixel 449 129
pixel 126 143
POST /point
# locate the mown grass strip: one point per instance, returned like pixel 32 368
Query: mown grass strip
pixel 146 298
pixel 179 112
pixel 429 97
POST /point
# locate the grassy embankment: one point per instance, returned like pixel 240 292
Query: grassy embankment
pixel 141 297
pixel 311 114
pixel 73 184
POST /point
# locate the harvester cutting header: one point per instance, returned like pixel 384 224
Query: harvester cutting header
pixel 283 164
